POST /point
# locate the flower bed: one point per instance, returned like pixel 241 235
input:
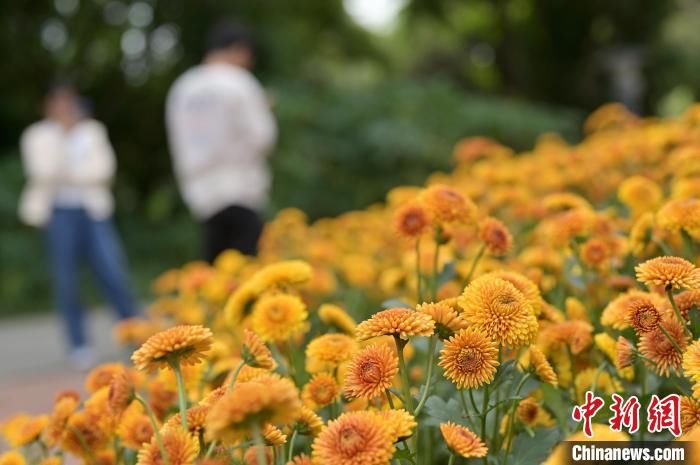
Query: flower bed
pixel 487 316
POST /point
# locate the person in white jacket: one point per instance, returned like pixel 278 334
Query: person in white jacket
pixel 69 165
pixel 221 130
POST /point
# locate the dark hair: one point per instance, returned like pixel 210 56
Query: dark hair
pixel 228 33
pixel 61 84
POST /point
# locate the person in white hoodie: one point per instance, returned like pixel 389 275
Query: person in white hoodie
pixel 69 165
pixel 221 130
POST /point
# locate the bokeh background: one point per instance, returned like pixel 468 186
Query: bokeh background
pixel 368 94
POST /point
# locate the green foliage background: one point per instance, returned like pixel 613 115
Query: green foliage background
pixel 358 112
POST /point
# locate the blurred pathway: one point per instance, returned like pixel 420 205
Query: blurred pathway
pixel 33 367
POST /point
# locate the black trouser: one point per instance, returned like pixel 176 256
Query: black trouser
pixel 234 227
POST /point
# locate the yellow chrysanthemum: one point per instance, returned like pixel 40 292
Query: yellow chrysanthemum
pixel 608 346
pixel 371 372
pixel 674 272
pixel 497 308
pixel 308 422
pixel 273 436
pixel 267 399
pixel 62 410
pixel 328 352
pixel 181 447
pixel 333 315
pixel 84 434
pixel 642 315
pixel 120 393
pixel 22 429
pixel 186 343
pixel 469 359
pixel 524 284
pixel 447 319
pixel 255 352
pixel 12 457
pixel 400 422
pixel 320 391
pixel 691 366
pixel 591 379
pixel 542 367
pixel 354 438
pixel 640 194
pixel 624 353
pixel 278 317
pixel 641 234
pixel 101 376
pixel 397 322
pixel 462 441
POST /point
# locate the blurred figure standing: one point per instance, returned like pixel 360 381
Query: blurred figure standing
pixel 221 129
pixel 69 164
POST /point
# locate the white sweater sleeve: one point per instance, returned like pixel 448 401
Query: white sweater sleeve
pixel 40 157
pixel 97 163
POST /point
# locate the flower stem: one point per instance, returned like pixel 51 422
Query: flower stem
pixel 669 293
pixel 670 339
pixel 484 413
pixel 419 279
pixel 436 256
pixel 181 394
pixel 259 444
pixel 290 455
pixel 429 376
pixel 452 459
pixel 156 430
pixel 405 385
pixel 477 258
pixel 235 375
pixel 511 419
pixel 389 399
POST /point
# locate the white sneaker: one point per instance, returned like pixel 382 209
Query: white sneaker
pixel 82 358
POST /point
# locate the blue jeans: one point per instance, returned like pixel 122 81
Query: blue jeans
pixel 72 236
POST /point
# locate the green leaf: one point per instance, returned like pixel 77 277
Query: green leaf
pixel 395 302
pixel 534 450
pixel 404 454
pixel 440 411
pixel 447 274
pixel 554 402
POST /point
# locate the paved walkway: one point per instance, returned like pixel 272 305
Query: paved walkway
pixel 33 367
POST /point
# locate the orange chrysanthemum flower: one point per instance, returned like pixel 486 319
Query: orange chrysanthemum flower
pixel 196 419
pixel 531 413
pixel 642 315
pixel 320 391
pixel 497 308
pixel 84 433
pixel 186 343
pixel 656 347
pixel 469 359
pixel 397 322
pixel 400 422
pixel 267 399
pixel 101 376
pixel 301 459
pixel 135 428
pixel 354 438
pixel 576 334
pixel 447 320
pixel 255 352
pixel 671 272
pixel 12 457
pixel 595 253
pixel 412 220
pixel 328 352
pixel 690 413
pixel 624 353
pixel 121 393
pixel 495 236
pixel 278 317
pixel 688 300
pixel 543 369
pixel 250 457
pixel 62 410
pixel 462 441
pixel 446 205
pixel 371 372
pixel 181 447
